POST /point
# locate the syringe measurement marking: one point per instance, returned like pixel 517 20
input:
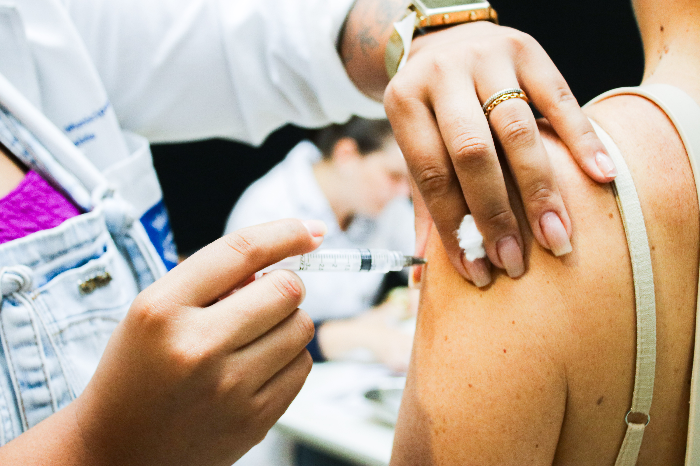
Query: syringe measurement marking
pixel 361 260
pixel 322 265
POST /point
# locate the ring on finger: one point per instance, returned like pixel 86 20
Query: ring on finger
pixel 500 97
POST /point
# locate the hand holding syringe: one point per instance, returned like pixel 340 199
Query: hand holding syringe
pixel 346 260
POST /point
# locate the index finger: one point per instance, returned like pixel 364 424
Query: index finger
pixel 469 141
pixel 417 133
pixel 551 95
pixel 226 263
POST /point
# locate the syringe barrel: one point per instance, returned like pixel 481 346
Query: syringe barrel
pixel 343 260
pixel 351 260
pixel 386 261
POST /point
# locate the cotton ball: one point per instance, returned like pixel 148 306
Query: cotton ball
pixel 470 239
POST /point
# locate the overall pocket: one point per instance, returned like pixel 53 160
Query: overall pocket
pixel 81 306
pixel 53 335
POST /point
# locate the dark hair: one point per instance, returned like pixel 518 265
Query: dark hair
pixel 369 135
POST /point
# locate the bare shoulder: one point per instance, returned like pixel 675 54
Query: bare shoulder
pixel 668 195
pixel 540 369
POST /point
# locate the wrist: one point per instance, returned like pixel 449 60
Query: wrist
pixel 56 440
pixel 422 17
pixel 373 50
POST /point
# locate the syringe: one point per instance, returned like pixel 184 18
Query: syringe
pixel 346 260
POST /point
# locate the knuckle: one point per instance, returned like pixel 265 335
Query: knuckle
pixel 397 92
pixel 235 379
pixel 433 180
pixel 257 408
pixel 304 325
pixel 519 41
pixel 501 219
pixel 519 131
pixel 479 50
pixel 288 285
pixel 150 310
pixel 590 136
pixel 144 305
pixel 470 151
pixel 441 63
pixel 242 244
pixel 188 356
pixel 298 370
pixel 539 194
pixel 400 96
pixel 562 95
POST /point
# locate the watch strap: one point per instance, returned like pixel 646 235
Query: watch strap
pixel 399 44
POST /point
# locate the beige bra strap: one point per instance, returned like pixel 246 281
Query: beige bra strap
pixel 684 112
pixel 637 417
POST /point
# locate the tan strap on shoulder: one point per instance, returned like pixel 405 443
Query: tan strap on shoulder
pixel 645 303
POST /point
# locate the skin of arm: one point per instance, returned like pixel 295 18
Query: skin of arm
pixel 487 384
pixel 56 440
pixel 540 370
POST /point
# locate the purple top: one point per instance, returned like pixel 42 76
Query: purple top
pixel 34 205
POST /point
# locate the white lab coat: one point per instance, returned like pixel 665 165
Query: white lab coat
pixel 113 75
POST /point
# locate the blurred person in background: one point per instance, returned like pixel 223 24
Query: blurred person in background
pixel 354 178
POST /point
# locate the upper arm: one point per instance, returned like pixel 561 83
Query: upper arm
pixel 485 384
pixel 490 380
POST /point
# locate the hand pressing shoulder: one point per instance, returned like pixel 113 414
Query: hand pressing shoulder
pixel 540 369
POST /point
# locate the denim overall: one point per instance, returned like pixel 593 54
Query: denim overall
pixel 64 290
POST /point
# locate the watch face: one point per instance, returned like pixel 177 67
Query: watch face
pixel 428 6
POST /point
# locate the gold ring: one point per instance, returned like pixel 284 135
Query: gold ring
pixel 500 97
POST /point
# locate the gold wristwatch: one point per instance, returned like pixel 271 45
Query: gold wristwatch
pixel 431 14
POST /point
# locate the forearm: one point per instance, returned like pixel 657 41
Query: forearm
pixel 56 440
pixel 363 40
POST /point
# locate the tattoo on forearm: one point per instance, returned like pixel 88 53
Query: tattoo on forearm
pixel 369 21
pixel 366 40
pixel 363 40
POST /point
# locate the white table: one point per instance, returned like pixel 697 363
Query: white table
pixel 332 415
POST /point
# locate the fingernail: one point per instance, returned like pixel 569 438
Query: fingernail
pixel 555 234
pixel 511 256
pixel 478 270
pixel 316 227
pixel 606 165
